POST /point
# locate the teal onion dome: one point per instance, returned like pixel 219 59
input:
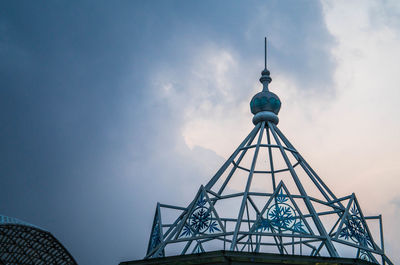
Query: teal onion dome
pixel 265 105
pixel 265 101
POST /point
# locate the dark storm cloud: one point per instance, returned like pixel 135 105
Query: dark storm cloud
pixel 86 146
pixel 301 44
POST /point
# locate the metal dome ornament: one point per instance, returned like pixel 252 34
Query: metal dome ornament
pixel 266 198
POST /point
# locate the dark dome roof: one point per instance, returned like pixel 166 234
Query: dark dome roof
pixel 23 243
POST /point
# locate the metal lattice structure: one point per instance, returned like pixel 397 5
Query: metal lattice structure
pixel 267 198
pixel 23 243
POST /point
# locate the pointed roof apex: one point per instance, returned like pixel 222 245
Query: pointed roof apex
pixel 265 78
pixel 265 105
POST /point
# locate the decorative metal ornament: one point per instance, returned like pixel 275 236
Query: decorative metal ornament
pixel 281 206
pixel 364 255
pixel 155 236
pixel 201 220
pixel 354 229
pixel 282 216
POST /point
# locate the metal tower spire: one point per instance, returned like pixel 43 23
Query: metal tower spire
pixel 265 53
pixel 267 198
pixel 265 74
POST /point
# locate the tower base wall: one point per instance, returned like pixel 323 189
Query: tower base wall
pixel 241 258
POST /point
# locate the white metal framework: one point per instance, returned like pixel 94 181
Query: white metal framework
pixel 267 198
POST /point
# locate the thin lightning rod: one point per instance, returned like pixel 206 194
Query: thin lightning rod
pixel 265 53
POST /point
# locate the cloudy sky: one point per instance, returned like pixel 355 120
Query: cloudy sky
pixel 107 107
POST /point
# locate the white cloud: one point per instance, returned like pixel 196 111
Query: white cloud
pixel 363 124
pixel 208 93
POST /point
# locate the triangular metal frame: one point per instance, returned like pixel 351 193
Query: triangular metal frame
pixel 156 235
pixel 277 229
pixel 213 226
pixel 236 238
